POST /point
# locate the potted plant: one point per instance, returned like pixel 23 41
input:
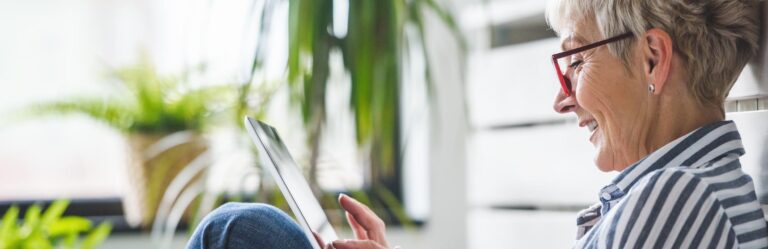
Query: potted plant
pixel 49 229
pixel 162 118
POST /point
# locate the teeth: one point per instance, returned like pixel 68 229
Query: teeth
pixel 592 125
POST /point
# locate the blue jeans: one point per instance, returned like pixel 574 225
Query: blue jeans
pixel 248 225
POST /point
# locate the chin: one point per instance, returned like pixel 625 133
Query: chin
pixel 604 161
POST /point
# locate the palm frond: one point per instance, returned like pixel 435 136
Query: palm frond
pixel 114 113
pixel 150 103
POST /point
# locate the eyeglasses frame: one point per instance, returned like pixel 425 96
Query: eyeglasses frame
pixel 565 83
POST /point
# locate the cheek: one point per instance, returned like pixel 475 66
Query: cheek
pixel 591 92
pixel 605 93
pixel 604 86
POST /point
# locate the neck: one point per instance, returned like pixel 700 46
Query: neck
pixel 671 116
pixel 673 124
pixel 679 113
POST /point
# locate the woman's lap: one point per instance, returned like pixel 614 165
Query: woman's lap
pixel 248 225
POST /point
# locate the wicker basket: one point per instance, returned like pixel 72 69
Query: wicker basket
pixel 151 171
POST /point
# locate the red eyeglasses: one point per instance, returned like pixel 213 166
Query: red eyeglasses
pixel 563 66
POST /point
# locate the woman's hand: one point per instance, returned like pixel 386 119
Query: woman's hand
pixel 369 229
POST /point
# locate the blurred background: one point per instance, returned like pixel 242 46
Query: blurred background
pixel 121 121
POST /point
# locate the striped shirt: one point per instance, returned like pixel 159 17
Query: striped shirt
pixel 691 193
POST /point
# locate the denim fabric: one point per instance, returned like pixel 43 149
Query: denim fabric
pixel 248 225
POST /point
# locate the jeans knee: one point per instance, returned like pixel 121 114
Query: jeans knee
pixel 245 214
pixel 245 210
pixel 247 224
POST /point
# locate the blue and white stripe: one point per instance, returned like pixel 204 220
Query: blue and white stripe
pixel 691 193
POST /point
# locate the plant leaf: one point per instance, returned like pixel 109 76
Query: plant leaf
pixel 8 229
pixel 97 236
pixel 31 221
pixel 37 241
pixel 150 103
pixel 112 112
pixel 70 240
pixel 54 212
pixel 69 225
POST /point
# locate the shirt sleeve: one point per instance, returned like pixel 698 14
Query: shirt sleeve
pixel 667 209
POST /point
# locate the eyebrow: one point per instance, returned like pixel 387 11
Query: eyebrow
pixel 573 39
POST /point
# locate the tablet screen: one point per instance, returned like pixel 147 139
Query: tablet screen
pixel 274 156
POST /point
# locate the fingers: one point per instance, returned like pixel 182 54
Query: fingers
pixel 359 231
pixel 365 217
pixel 357 244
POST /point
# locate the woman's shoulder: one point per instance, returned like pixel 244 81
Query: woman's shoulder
pixel 721 185
pixel 715 176
pixel 670 206
pixel 722 179
pixel 719 192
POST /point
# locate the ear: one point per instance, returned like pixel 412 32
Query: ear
pixel 657 59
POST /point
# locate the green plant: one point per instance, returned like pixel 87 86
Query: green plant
pixel 147 109
pixel 49 229
pixel 374 51
pixel 152 104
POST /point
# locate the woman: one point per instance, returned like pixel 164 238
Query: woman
pixel 649 79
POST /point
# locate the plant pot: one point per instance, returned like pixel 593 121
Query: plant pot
pixel 153 166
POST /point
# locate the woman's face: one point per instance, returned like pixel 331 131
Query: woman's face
pixel 607 98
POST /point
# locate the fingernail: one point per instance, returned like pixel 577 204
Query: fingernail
pixel 343 195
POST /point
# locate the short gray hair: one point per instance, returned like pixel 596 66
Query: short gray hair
pixel 715 38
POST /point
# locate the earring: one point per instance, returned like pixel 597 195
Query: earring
pixel 652 88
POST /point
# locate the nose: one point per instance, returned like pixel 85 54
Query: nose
pixel 564 104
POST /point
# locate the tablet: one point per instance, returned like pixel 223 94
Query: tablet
pixel 274 156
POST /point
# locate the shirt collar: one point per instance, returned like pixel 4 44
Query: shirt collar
pixel 691 150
